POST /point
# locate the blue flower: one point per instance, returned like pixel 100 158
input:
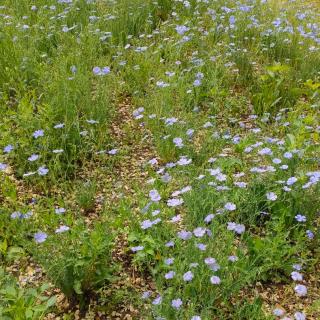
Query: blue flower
pixel 278 312
pixel 215 280
pixel 297 267
pixel 291 181
pixel 146 295
pixel 197 83
pixel 176 303
pixel 209 218
pixel 166 178
pixel 153 161
pixel 299 316
pixel 301 290
pixel 244 8
pixel 38 133
pixel 138 248
pixel 209 261
pixel 300 218
pixel 296 276
pixel 162 84
pixel 233 258
pixel 169 261
pixel 199 232
pixel 188 276
pixel 230 206
pixel 240 228
pixel 146 224
pixel 16 215
pixel 40 237
pixel 42 171
pixel 176 218
pixel 169 275
pixel 271 196
pixel 154 195
pixel 169 244
pixel 178 142
pixel 288 155
pixel 8 148
pixel 265 151
pixel 276 161
pixel 232 20
pixel 62 229
pixel 201 246
pixel 101 71
pixel 96 70
pixel 190 132
pixel 184 235
pixel 157 300
pixel 73 69
pixel 105 70
pixel 113 151
pixel 174 202
pixel 19 215
pixel 33 157
pixel 310 234
pixel 182 29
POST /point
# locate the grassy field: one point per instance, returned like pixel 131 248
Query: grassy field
pixel 159 159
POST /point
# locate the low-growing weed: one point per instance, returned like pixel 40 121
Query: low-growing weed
pixel 18 303
pixel 78 261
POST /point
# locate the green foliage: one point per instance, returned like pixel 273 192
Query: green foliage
pixel 18 303
pixel 274 90
pixel 230 80
pixel 250 310
pixel 152 248
pixel 79 262
pixel 272 256
pixel 85 195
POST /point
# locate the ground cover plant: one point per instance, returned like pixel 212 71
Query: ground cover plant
pixel 159 159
